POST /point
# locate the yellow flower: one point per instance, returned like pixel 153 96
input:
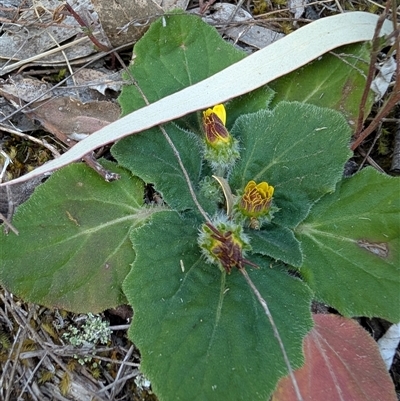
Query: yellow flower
pixel 221 150
pixel 214 121
pixel 256 202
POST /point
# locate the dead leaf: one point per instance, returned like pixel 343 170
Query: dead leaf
pixel 98 80
pixel 248 32
pixel 342 363
pixel 34 33
pixel 25 88
pixel 75 119
pixel 381 82
pixel 168 5
pixel 125 22
pixel 296 7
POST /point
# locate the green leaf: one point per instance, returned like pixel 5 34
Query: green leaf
pixel 351 242
pixel 248 103
pixel 298 148
pixel 202 334
pixel 278 243
pixel 73 249
pixel 149 156
pixel 336 80
pixel 177 51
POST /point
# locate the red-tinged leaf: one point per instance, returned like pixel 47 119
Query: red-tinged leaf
pixel 342 363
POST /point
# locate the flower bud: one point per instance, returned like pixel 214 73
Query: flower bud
pixel 256 203
pixel 221 150
pixel 224 243
pixel 214 121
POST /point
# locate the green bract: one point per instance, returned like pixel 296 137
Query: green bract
pixel 87 245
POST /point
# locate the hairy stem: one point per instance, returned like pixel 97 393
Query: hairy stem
pixel 263 303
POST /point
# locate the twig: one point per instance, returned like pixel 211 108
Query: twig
pixel 394 98
pixel 120 372
pixel 370 75
pixel 32 375
pixel 8 224
pixel 367 157
pixel 52 149
pixel 16 355
pixel 395 167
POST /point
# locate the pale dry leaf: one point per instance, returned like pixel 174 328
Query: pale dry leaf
pixel 29 36
pixel 25 88
pixel 381 82
pixel 268 64
pixel 125 22
pixel 35 33
pixel 256 36
pixel 75 119
pixel 388 344
pixel 296 7
pixel 222 13
pixel 98 80
pixel 248 32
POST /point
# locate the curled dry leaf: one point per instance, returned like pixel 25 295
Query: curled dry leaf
pixel 98 80
pixel 381 82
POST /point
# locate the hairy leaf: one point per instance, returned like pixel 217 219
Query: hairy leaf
pixel 351 242
pixel 336 80
pixel 202 334
pixel 278 243
pixel 73 249
pixel 150 156
pixel 300 149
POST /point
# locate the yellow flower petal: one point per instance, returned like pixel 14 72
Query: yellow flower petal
pixel 256 199
pixel 220 111
pixel 214 126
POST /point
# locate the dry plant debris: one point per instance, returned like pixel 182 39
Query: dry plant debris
pixel 47 355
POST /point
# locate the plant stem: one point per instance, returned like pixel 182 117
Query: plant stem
pixel 176 153
pixel 185 173
pixel 263 303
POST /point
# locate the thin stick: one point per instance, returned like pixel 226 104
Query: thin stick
pixel 31 138
pixel 8 224
pixel 374 56
pixel 18 351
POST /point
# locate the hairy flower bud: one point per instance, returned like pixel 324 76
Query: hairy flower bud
pixel 221 149
pixel 256 203
pixel 224 243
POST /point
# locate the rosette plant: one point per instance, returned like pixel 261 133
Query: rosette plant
pixel 256 221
